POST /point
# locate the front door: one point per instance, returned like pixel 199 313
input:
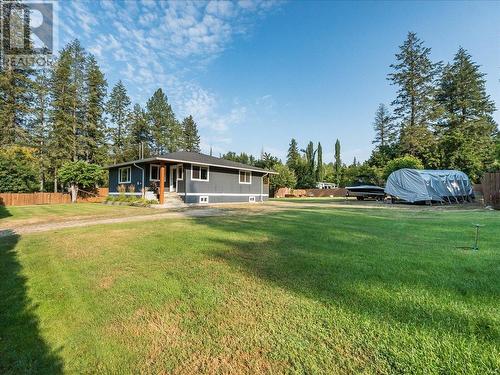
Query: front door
pixel 173 178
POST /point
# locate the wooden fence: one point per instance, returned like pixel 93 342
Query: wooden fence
pixel 26 199
pixel 286 192
pixel 491 188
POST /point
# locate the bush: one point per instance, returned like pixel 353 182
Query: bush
pixel 284 178
pixel 407 161
pixel 130 200
pixel 18 170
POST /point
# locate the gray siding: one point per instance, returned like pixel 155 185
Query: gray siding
pixel 223 186
pixel 222 180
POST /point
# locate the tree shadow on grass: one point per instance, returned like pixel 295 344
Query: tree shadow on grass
pixel 22 349
pixel 4 212
pixel 360 266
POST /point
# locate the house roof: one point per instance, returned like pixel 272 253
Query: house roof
pixel 195 158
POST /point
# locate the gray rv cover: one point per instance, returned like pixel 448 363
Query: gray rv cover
pixel 413 185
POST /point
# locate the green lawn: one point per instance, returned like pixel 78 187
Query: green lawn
pixel 60 212
pixel 300 291
pixel 313 199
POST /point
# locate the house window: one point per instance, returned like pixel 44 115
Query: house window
pixel 199 173
pixel 245 177
pixel 154 172
pixel 124 175
pixel 180 172
pixel 204 199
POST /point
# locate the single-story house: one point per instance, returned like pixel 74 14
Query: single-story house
pixel 194 177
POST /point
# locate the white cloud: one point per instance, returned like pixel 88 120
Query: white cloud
pixel 151 44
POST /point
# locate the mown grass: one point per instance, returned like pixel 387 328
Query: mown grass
pixel 299 291
pixel 61 212
pixel 313 199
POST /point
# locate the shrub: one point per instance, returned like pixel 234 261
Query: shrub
pixel 284 178
pixel 130 200
pixel 18 170
pixel 407 161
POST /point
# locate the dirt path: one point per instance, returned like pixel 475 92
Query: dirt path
pixel 73 223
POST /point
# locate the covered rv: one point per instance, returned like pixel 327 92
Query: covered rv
pixel 415 185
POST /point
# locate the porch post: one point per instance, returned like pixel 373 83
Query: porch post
pixel 162 183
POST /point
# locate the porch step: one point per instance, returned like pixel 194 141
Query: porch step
pixel 173 200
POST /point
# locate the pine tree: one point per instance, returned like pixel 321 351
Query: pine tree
pixel 414 74
pixel 118 108
pixel 94 138
pixel 165 129
pixel 191 139
pixel 139 139
pixel 61 132
pixel 16 87
pixel 77 60
pixel 40 127
pixel 320 171
pixel 337 165
pixel 293 155
pixel 467 127
pixel 383 127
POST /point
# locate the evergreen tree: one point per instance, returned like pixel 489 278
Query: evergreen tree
pixel 337 165
pixel 61 132
pixel 77 63
pixel 310 155
pixel 16 87
pixel 40 127
pixel 320 171
pixel 191 139
pixel 139 139
pixel 118 108
pixel 293 155
pixel 165 129
pixel 414 74
pixel 93 136
pixel 383 127
pixel 467 128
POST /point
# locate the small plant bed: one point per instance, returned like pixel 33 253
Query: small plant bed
pixel 124 200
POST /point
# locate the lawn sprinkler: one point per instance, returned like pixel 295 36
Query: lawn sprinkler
pixel 475 247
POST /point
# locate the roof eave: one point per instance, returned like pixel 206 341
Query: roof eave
pixel 157 158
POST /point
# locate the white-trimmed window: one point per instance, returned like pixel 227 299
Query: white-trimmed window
pixel 180 172
pixel 203 199
pixel 245 177
pixel 124 175
pixel 251 199
pixel 154 172
pixel 199 172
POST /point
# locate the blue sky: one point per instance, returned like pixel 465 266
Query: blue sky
pixel 255 74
